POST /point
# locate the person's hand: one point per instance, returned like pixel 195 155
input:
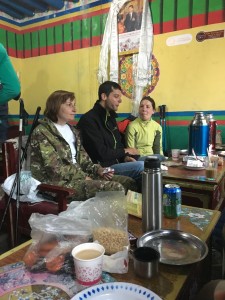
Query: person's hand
pixel 129 159
pixel 100 171
pixel 108 176
pixel 105 173
pixel 88 178
pixel 132 151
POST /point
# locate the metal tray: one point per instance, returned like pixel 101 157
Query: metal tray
pixel 194 168
pixel 220 147
pixel 221 153
pixel 175 246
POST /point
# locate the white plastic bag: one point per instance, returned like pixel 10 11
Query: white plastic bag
pixel 28 187
pixel 53 238
pixel 109 220
pixel 107 214
pixel 58 225
pixel 116 263
pixel 78 209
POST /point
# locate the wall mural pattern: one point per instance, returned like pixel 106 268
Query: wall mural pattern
pixel 126 76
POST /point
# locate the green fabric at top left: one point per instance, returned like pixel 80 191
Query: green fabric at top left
pixel 9 82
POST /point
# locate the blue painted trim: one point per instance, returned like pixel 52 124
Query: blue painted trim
pixel 9 21
pixel 121 115
pixel 191 113
pixel 125 115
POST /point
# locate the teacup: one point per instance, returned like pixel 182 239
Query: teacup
pixel 88 261
pixel 175 154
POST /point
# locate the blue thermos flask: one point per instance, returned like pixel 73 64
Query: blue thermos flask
pixel 199 135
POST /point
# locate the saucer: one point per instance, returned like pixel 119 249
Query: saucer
pixel 221 153
pixel 194 168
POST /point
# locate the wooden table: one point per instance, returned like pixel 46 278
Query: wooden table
pixel 172 282
pixel 196 189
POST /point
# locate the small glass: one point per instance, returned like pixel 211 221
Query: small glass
pixel 211 166
pixel 218 138
pixel 175 154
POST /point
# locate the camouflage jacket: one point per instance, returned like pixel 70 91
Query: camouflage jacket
pixel 51 159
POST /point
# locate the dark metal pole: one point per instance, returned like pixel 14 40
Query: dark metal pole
pixel 162 114
pixel 23 121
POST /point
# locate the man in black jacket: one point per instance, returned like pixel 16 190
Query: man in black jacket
pixel 101 136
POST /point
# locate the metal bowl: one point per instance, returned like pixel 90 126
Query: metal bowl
pixel 175 246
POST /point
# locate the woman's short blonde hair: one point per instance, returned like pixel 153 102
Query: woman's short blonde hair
pixel 54 101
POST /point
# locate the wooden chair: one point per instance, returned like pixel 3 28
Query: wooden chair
pixel 59 203
pixel 13 131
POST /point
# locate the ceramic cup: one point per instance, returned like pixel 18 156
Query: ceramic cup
pixel 146 261
pixel 175 154
pixel 211 165
pixel 88 261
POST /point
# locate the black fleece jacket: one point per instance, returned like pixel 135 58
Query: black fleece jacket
pixel 101 137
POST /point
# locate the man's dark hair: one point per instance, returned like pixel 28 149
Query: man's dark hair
pixel 150 100
pixel 107 87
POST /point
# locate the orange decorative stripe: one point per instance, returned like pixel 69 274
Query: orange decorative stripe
pixel 178 123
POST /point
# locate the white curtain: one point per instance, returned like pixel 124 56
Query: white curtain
pixel 141 61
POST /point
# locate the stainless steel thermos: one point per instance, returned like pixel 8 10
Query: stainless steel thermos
pixel 212 131
pixel 199 135
pixel 152 193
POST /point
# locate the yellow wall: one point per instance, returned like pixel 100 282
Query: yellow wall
pixel 191 75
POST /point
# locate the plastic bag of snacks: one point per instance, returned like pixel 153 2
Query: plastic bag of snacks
pixel 109 218
pixel 53 238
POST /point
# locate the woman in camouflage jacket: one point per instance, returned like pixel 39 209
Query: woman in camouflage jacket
pixel 57 155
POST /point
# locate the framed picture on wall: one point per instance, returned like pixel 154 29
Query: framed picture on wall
pixel 129 21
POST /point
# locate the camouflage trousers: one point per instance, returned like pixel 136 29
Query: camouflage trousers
pixel 86 189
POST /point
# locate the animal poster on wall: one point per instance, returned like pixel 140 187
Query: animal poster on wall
pixel 129 21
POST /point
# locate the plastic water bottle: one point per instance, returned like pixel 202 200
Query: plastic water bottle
pixel 152 193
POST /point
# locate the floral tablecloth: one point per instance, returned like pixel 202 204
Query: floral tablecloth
pixel 16 282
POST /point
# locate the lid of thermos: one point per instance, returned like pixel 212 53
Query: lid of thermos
pixel 199 119
pixel 209 116
pixel 152 162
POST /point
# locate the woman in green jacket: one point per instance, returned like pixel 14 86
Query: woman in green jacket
pixel 144 133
